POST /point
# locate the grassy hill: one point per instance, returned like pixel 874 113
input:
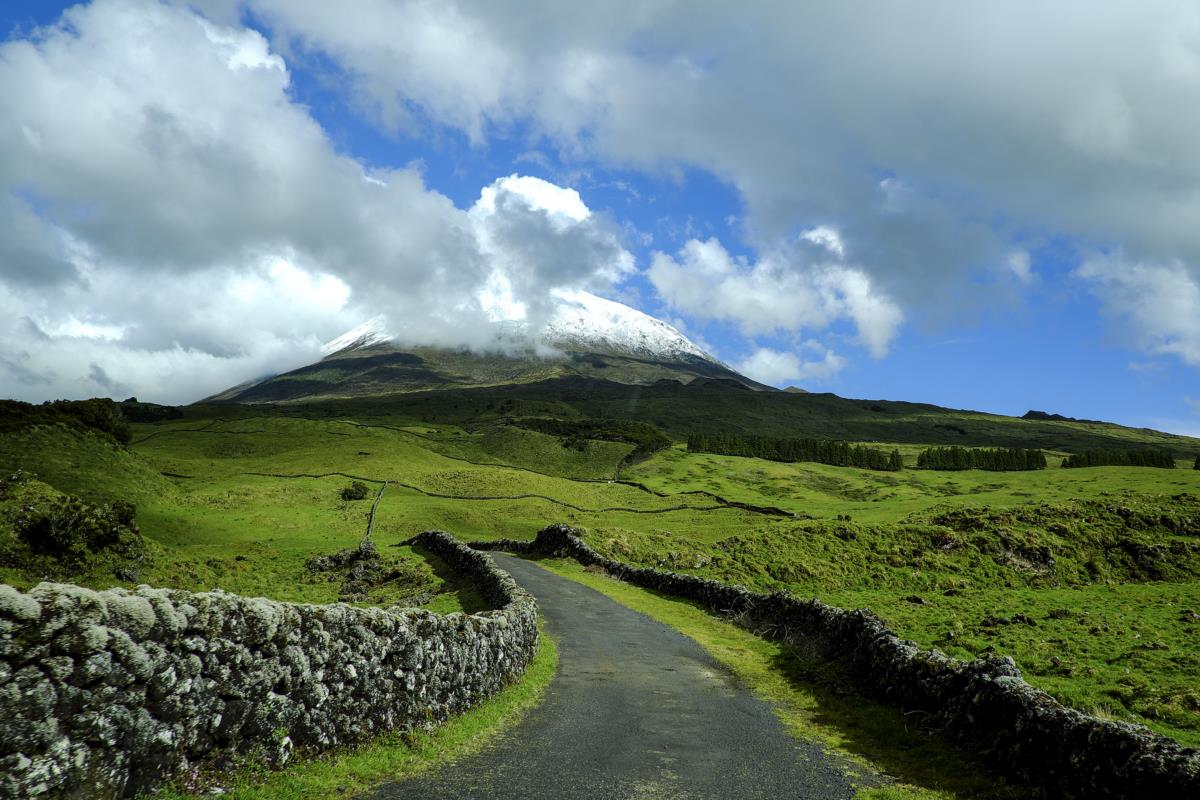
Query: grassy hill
pixel 725 406
pixel 1089 578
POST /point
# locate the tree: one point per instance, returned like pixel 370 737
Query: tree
pixel 1197 464
pixel 355 491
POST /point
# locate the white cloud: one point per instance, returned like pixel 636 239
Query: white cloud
pixel 1019 264
pixel 779 368
pixel 968 123
pixel 1159 303
pixel 169 216
pixel 782 291
pixel 537 236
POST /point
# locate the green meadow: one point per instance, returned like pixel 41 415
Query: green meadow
pixel 1088 578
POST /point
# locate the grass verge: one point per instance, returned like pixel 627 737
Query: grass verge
pixel 349 771
pixel 814 704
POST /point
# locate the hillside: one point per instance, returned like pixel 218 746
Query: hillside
pixel 719 405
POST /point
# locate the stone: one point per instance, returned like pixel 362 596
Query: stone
pixel 152 680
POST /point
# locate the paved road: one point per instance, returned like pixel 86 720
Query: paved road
pixel 635 711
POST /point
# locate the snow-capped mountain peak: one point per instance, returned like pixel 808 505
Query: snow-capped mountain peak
pixel 581 322
pixel 373 331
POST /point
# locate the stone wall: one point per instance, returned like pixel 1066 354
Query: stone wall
pixel 103 694
pixel 984 704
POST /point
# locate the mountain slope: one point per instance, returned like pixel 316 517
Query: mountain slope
pixel 587 336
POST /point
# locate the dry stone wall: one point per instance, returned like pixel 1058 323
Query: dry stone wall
pixel 103 694
pixel 985 703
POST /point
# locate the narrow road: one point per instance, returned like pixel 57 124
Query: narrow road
pixel 635 711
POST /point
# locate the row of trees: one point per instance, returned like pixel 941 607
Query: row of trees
pixel 1121 458
pixel 821 451
pixel 997 460
pixel 98 414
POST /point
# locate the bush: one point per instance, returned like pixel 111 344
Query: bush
pixel 70 529
pixel 355 491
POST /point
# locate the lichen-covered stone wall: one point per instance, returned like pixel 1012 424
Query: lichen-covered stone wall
pixel 103 694
pixel 984 704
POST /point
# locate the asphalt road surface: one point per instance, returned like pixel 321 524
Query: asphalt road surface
pixel 635 711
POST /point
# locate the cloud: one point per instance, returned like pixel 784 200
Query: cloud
pixel 172 222
pixel 536 235
pixel 968 127
pixel 784 291
pixel 777 368
pixel 1158 303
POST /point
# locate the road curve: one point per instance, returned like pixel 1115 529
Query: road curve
pixel 635 711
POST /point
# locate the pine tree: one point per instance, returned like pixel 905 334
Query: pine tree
pixel 1197 464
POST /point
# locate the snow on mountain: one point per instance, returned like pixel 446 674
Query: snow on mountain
pixel 581 322
pixel 373 331
pixel 586 322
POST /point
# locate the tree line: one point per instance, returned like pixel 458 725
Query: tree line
pixel 996 460
pixel 1122 458
pixel 821 451
pixel 98 414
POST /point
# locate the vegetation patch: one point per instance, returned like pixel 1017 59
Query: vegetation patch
pixel 1121 458
pixel 995 460
pixel 576 433
pixel 97 414
pixel 357 490
pixel 45 532
pixel 819 451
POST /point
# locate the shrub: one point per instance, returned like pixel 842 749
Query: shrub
pixel 355 491
pixel 70 529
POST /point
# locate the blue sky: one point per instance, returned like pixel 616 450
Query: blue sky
pixel 1004 242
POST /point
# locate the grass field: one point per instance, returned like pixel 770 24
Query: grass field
pixel 823 491
pixel 1089 578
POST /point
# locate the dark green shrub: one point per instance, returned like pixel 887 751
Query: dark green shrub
pixel 355 491
pixel 70 529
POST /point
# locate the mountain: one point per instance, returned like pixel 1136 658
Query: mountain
pixel 597 359
pixel 586 336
